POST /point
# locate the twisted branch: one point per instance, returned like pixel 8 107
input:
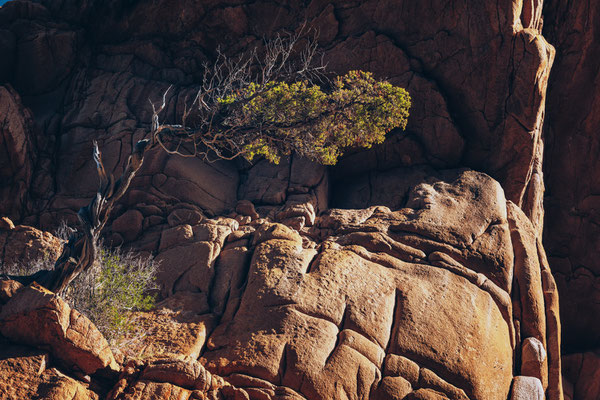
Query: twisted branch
pixel 81 250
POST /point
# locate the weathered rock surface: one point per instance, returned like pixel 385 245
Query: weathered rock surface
pixel 477 75
pixel 17 154
pixel 533 358
pixel 582 376
pixel 438 297
pixel 25 373
pixel 527 388
pixel 172 379
pixel 178 327
pixel 572 167
pixel 440 266
pixel 293 309
pixel 37 317
pixel 457 63
pixel 23 245
pixel 73 71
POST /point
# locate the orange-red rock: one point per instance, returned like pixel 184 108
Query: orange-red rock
pixel 24 245
pixel 178 327
pixel 427 286
pixel 17 155
pixel 38 317
pixel 572 167
pixel 477 73
pixel 582 376
pixel 26 373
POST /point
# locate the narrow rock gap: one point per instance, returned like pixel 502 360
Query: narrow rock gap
pixel 340 329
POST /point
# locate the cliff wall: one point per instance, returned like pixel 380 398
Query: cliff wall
pixel 480 75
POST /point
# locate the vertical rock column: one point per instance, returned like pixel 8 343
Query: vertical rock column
pixel 16 153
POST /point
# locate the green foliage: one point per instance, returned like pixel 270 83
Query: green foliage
pixel 106 293
pixel 236 114
pixel 318 124
pixel 118 286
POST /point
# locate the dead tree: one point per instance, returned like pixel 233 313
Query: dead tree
pixel 80 252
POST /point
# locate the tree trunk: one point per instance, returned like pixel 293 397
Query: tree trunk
pixel 80 252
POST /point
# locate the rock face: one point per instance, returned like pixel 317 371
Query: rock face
pixel 582 376
pixel 25 374
pixel 477 75
pixel 572 168
pixel 22 245
pixel 172 379
pixel 440 282
pixel 446 294
pixel 16 152
pixel 454 283
pixel 37 317
pixel 41 338
pixel 391 275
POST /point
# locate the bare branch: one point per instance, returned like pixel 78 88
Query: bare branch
pixel 214 132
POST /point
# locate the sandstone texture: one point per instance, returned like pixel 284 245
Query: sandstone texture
pixel 412 270
pixel 16 152
pixel 25 373
pixel 37 317
pixel 582 375
pixel 527 388
pixel 572 234
pixel 442 296
pixel 177 328
pixel 477 75
pixel 22 246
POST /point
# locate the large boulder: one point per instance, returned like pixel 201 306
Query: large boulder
pixel 26 373
pixel 24 248
pixel 416 299
pixel 37 317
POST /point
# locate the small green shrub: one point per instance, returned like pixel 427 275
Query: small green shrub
pixel 111 290
pixel 106 293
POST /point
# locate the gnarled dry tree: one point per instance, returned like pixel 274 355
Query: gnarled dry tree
pixel 80 251
pixel 268 103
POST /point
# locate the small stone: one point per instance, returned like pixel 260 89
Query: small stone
pixel 7 289
pixel 533 355
pixel 243 219
pixel 185 216
pixel 296 223
pixel 527 388
pixel 245 207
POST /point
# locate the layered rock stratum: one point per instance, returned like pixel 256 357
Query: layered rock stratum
pixel 413 270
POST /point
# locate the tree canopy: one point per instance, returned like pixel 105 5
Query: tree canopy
pixel 271 106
